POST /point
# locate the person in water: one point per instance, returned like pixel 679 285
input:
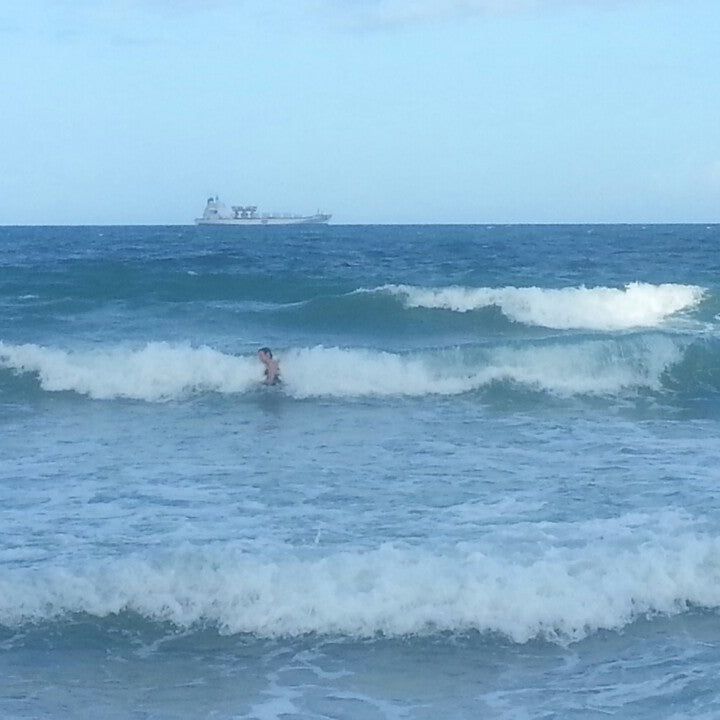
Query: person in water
pixel 272 369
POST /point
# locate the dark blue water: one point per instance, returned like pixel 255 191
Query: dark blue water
pixel 486 486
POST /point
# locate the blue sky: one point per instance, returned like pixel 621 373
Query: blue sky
pixel 489 111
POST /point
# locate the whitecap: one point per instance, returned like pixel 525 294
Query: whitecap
pixel 637 305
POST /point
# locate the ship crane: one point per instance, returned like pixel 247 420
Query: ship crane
pixel 244 211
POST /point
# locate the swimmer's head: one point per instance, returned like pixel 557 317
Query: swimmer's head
pixel 265 351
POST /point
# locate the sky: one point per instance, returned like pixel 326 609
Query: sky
pixel 377 111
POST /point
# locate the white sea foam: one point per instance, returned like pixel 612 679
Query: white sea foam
pixel 338 372
pixel 561 593
pixel 157 371
pixel 591 367
pixel 160 371
pixel 637 305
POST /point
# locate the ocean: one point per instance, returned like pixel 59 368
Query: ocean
pixel 487 486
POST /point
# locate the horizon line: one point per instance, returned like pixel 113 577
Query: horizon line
pixel 380 224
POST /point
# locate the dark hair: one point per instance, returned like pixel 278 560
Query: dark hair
pixel 265 350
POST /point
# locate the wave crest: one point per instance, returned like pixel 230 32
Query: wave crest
pixel 637 305
pixel 563 594
pixel 160 371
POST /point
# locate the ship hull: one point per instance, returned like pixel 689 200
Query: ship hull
pixel 265 221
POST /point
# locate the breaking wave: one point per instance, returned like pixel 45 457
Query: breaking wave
pixel 562 594
pixel 162 371
pixel 158 371
pixel 637 305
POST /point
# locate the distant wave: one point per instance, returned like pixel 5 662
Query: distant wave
pixel 637 305
pixel 561 593
pixel 161 371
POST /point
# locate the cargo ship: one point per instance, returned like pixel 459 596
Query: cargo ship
pixel 216 213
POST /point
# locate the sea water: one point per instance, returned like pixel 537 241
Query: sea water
pixel 487 486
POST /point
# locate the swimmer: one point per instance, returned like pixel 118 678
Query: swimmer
pixel 272 369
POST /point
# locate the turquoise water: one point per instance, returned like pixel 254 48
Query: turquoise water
pixel 487 486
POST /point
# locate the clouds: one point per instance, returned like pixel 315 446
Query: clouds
pixel 388 14
pixel 400 12
pixel 149 18
pixel 393 13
